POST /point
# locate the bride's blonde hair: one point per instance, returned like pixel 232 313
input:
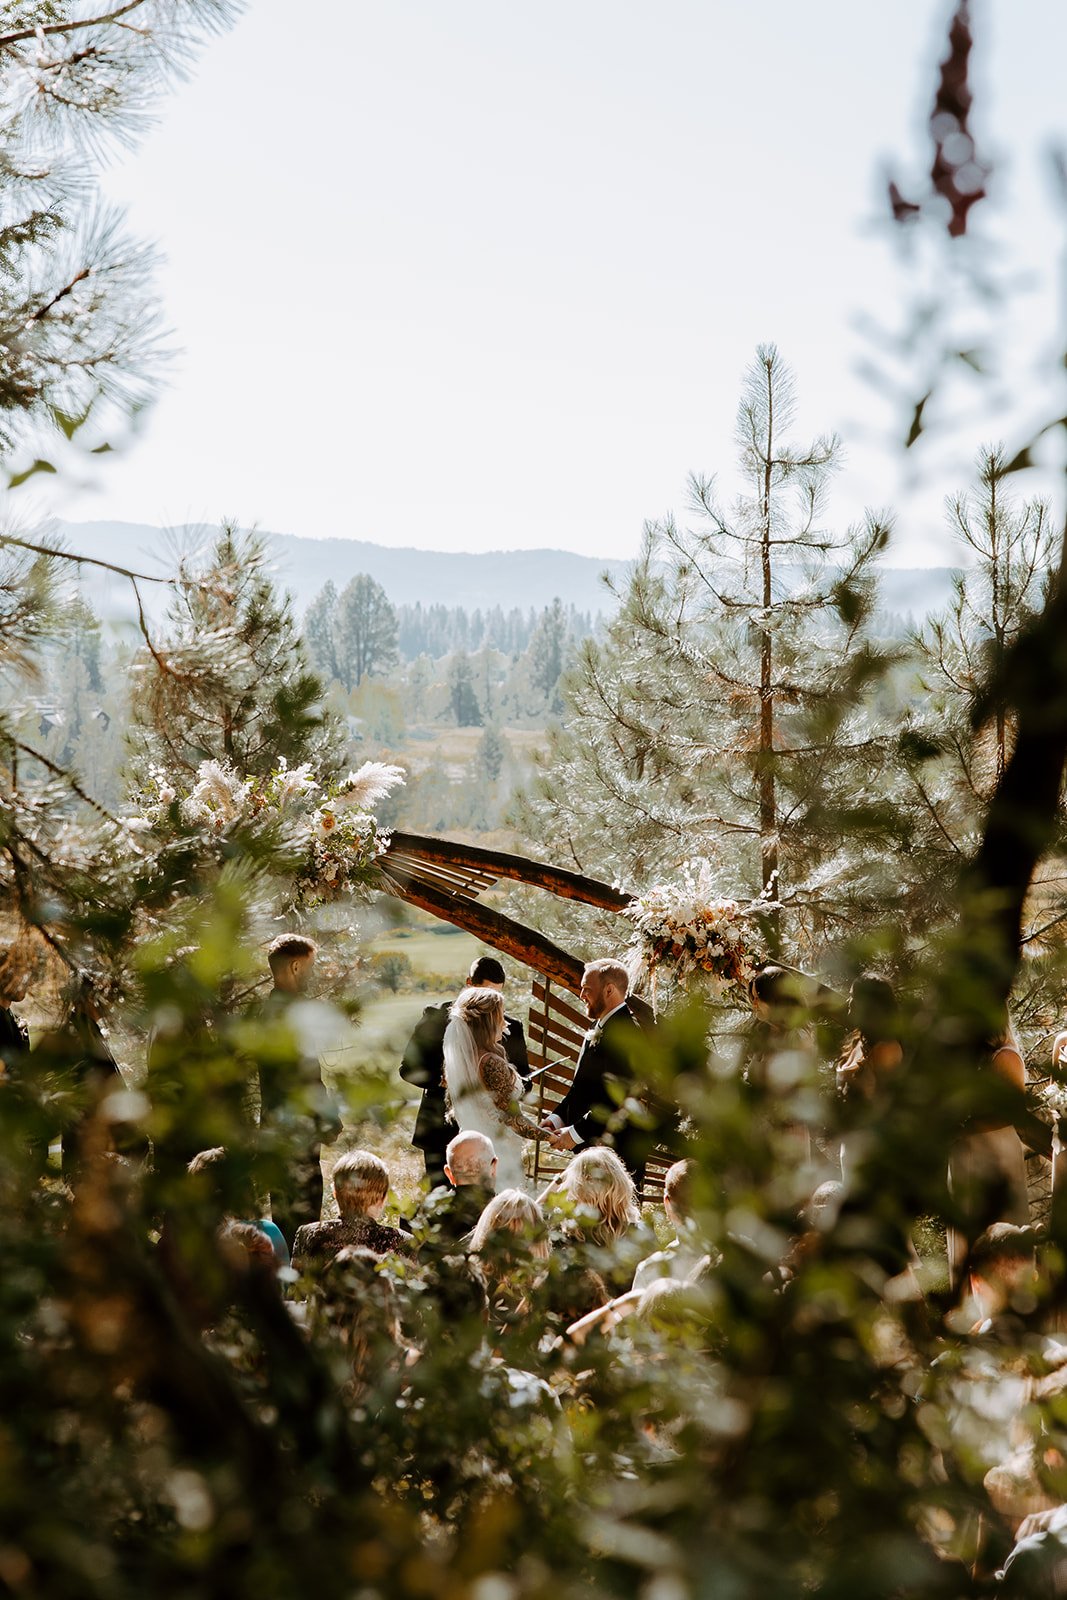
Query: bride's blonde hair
pixel 483 1012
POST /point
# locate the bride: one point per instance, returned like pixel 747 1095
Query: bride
pixel 483 1088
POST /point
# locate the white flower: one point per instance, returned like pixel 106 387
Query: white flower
pixel 138 825
pixel 219 795
pixel 372 782
pixel 291 785
pixel 167 794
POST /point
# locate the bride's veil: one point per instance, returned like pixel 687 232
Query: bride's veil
pixel 461 1059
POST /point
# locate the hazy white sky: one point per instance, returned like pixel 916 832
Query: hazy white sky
pixel 482 275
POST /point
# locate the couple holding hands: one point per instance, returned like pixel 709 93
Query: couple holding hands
pixel 471 1063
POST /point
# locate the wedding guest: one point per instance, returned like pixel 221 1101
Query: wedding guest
pixel 988 1161
pixel 222 1185
pixel 605 1214
pixel 1003 1279
pixel 423 1066
pixel 360 1187
pixel 245 1246
pixel 686 1250
pixel 215 1198
pixel 298 1116
pixel 450 1212
pixel 509 1254
pixel 872 1048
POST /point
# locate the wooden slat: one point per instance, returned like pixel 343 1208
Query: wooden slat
pixel 554 1031
pixel 468 882
pixel 557 1006
pixel 520 869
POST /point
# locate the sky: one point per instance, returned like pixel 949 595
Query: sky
pixel 481 276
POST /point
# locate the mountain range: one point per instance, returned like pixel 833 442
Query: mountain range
pixel 523 578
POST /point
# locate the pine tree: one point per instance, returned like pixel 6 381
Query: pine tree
pixel 1010 554
pixel 366 631
pixel 78 321
pixel 721 714
pixel 958 733
pixel 229 680
pixel 491 753
pixel 320 633
pixel 464 701
pixel 548 654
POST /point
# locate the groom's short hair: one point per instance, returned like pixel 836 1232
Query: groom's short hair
pixel 610 971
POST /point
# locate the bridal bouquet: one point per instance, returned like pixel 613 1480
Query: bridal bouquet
pixel 327 836
pixel 690 929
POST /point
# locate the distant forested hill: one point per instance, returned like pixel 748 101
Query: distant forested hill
pixel 505 578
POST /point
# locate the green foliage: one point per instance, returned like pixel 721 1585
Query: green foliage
pixel 391 968
pixel 229 680
pixel 79 326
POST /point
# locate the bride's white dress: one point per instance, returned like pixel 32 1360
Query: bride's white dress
pixel 482 1095
pixel 477 1111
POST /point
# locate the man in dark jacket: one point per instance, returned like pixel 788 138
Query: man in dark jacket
pixel 423 1065
pixel 604 1077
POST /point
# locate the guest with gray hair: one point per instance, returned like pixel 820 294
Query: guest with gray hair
pixel 449 1213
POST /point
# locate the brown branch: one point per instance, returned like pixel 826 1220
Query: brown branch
pixel 24 35
pixel 503 933
pixel 91 561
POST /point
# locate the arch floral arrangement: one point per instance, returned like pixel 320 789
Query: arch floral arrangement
pixel 691 931
pixel 324 838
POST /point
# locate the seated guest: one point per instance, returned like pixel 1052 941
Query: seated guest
pixel 1003 1278
pixel 509 1252
pixel 246 1248
pixel 685 1250
pixel 211 1167
pixel 360 1187
pixel 208 1221
pixel 601 1196
pixel 449 1213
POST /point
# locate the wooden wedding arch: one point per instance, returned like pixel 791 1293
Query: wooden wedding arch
pixel 446 879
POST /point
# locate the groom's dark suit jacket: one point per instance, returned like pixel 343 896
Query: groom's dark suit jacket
pixel 588 1104
pixel 609 1062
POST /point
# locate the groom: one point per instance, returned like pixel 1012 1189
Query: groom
pixel 607 1058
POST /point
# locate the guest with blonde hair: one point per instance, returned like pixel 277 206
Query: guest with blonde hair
pixel 601 1199
pixel 515 1213
pixel 596 1181
pixel 509 1255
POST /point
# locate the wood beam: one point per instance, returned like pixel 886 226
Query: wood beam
pixel 503 933
pixel 521 869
